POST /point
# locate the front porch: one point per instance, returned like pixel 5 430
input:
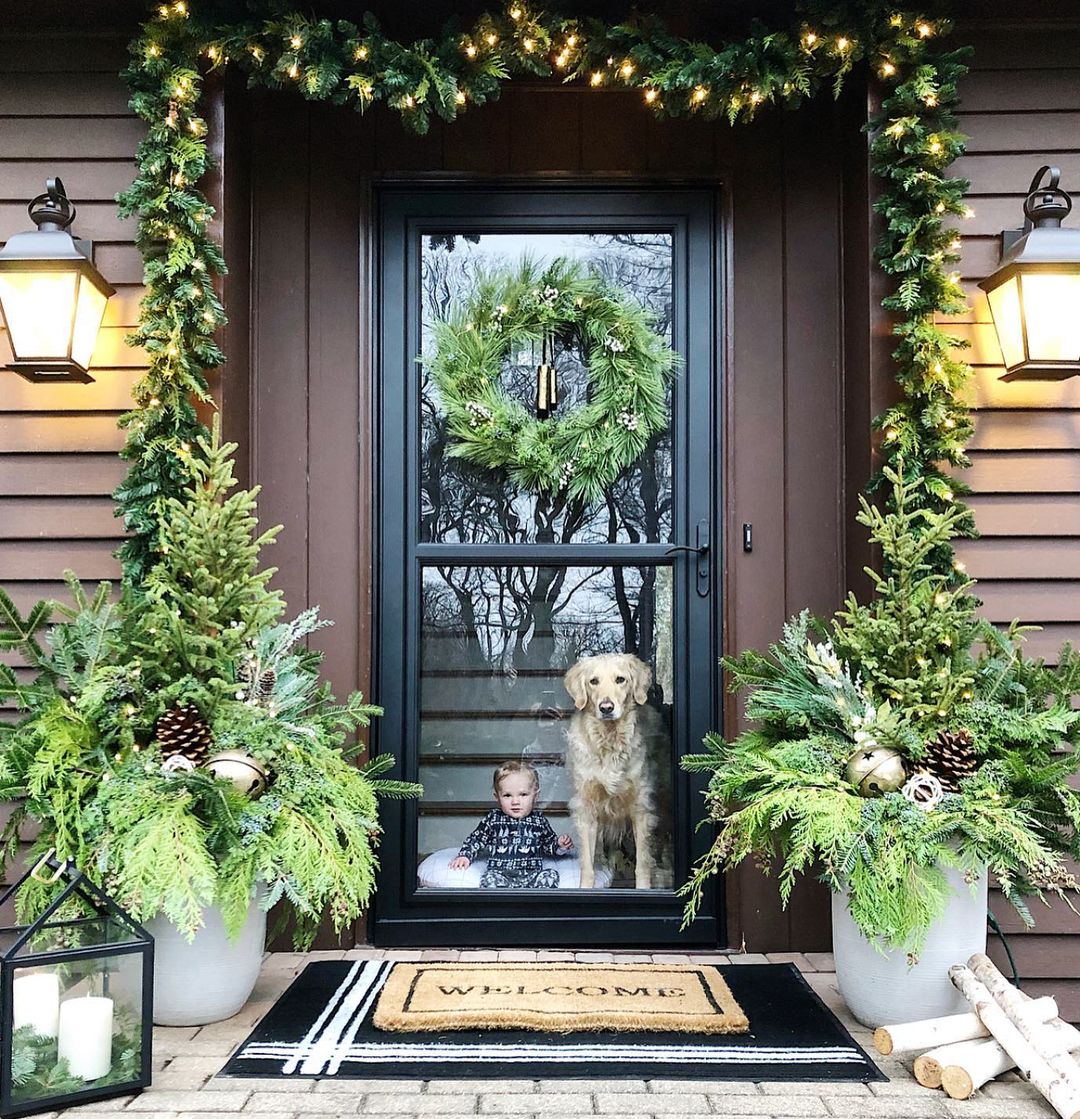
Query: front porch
pixel 186 1062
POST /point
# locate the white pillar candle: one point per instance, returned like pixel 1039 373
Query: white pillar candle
pixel 35 1000
pixel 85 1040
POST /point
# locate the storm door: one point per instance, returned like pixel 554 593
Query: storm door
pixel 545 656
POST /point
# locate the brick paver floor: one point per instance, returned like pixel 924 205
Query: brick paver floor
pixel 186 1062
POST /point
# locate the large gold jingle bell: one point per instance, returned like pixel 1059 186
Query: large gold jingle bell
pixel 248 774
pixel 876 770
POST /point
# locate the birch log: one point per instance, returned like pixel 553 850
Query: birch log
pixel 985 1055
pixel 971 1064
pixel 907 1037
pixel 1056 1077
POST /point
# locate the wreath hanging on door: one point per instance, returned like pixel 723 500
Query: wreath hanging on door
pixel 578 451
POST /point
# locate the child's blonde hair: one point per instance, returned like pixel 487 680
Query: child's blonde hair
pixel 514 766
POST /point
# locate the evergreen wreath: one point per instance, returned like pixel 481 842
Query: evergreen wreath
pixel 628 368
pixel 357 64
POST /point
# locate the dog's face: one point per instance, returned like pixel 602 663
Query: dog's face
pixel 609 685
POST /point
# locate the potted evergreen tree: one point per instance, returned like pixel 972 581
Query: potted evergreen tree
pixel 179 747
pixel 904 749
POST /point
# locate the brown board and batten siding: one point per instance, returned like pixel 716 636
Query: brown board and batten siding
pixel 1021 109
pixel 63 111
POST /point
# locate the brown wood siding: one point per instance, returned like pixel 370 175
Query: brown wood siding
pixel 782 441
pixel 63 111
pixel 1021 108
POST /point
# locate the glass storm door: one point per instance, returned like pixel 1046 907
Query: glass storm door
pixel 544 661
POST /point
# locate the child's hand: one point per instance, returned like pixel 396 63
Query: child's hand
pixel 565 842
pixel 460 863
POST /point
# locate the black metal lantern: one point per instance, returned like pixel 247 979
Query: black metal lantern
pixel 1034 295
pixel 76 995
pixel 51 295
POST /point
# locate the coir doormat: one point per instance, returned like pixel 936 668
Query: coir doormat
pixel 558 998
pixel 322 1027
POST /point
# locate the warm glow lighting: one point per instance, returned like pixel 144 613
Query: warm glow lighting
pixel 515 14
pixel 491 38
pixel 296 42
pixel 596 78
pixel 361 54
pixel 294 71
pixel 887 69
pixel 459 97
pixel 810 38
pixel 924 30
pixel 700 94
pixel 626 69
pixel 470 50
pixel 51 296
pixel 842 44
pixel 529 45
pixel 1034 295
pixel 651 95
pixel 571 41
pixel 561 59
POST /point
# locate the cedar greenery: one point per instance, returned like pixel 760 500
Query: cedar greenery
pixel 895 672
pixel 629 366
pixel 356 64
pixel 84 766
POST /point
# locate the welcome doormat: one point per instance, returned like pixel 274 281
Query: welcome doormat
pixel 321 1027
pixel 560 998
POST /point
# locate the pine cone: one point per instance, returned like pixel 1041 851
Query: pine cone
pixel 950 758
pixel 265 687
pixel 184 731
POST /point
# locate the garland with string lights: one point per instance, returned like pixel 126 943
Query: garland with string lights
pixel 628 369
pixel 357 65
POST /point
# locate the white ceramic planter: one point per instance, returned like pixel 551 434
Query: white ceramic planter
pixel 881 990
pixel 210 978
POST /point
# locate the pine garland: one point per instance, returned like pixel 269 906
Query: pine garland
pixel 584 449
pixel 357 65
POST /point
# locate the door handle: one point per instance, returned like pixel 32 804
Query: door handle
pixel 701 550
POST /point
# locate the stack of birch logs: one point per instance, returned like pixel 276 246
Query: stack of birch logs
pixel 1005 1030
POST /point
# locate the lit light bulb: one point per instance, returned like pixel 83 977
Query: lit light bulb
pixel 887 69
pixel 935 147
pixel 153 50
pixel 627 68
pixel 896 129
pixel 296 42
pixel 561 59
pixel 515 13
pixel 755 98
pixel 810 38
pixel 459 97
pixel 529 45
pixel 294 71
pixel 180 8
pixel 938 368
pixel 361 53
pixel 930 99
pixel 163 11
pixel 491 38
pixel 896 20
pixel 571 41
pixel 651 95
pixel 700 94
pixel 410 101
pixel 596 78
pixel 923 29
pixel 470 50
pixel 891 434
pixel 258 53
pixel 843 43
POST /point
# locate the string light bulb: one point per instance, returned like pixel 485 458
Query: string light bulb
pixel 935 147
pixel 529 45
pixel 651 95
pixel 153 50
pixel 515 13
pixel 296 42
pixel 180 8
pixel 491 38
pixel 410 101
pixel 755 98
pixel 930 100
pixel 258 53
pixel 459 97
pixel 700 94
pixel 163 11
pixel 887 69
pixel 470 50
pixel 361 53
pixel 843 43
pixel 561 59
pixel 596 78
pixel 891 435
pixel 923 29
pixel 294 71
pixel 810 38
pixel 571 41
pixel 626 69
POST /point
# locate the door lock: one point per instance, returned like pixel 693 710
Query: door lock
pixel 702 550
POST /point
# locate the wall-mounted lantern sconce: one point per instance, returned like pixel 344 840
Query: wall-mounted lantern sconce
pixel 51 295
pixel 1035 293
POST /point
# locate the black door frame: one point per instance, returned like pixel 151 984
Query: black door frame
pixel 401 914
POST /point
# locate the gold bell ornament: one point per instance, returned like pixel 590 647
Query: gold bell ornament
pixel 876 770
pixel 248 774
pixel 547 389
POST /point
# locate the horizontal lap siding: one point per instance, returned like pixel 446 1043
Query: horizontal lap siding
pixel 63 111
pixel 1021 108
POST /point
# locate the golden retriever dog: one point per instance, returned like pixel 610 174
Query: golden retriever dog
pixel 611 759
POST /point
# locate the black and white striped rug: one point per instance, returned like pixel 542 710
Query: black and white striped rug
pixel 321 1027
